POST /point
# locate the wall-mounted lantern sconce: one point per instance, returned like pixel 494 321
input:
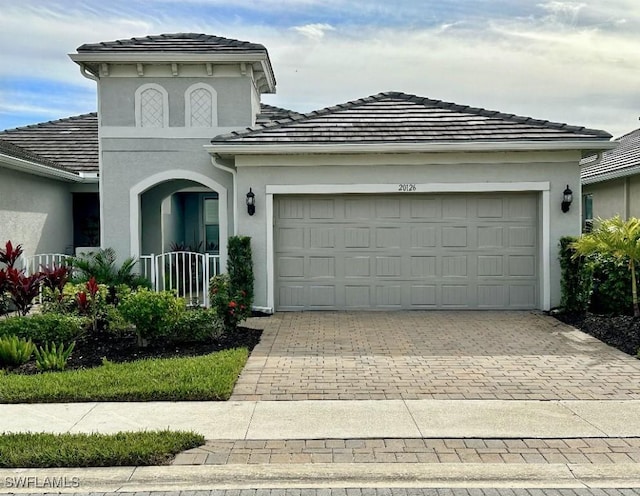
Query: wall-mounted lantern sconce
pixel 567 198
pixel 251 202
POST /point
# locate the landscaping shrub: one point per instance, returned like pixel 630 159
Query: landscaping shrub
pixel 101 265
pixel 231 294
pixel 43 328
pixel 53 357
pixel 197 325
pixel 611 283
pixel 153 313
pixel 21 288
pixel 15 351
pixel 576 278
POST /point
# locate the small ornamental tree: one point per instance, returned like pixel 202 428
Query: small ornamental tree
pixel 231 294
pixel 618 238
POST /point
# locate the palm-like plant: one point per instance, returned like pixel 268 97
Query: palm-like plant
pixel 618 238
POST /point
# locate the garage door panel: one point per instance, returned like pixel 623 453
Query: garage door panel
pixel 358 237
pixel 490 265
pixel 522 296
pixel 407 251
pixel 357 297
pixel 357 266
pixel 490 237
pixel 454 237
pixel 455 295
pixel 320 237
pixel 291 267
pixel 455 266
pixel 322 267
pixel 424 266
pixel 424 237
pixel 389 297
pixel 490 208
pixel 522 237
pixel 422 296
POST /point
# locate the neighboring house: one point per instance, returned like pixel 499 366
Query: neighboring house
pixel 388 202
pixel 611 181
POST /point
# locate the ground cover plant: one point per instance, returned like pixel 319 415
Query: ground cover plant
pixel 101 339
pixel 41 450
pixel 599 283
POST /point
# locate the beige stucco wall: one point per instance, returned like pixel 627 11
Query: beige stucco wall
pixel 35 212
pixel 558 168
pixel 608 198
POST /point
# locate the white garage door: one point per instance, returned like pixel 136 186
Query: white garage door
pixel 418 251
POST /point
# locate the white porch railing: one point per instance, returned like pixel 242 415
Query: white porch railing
pixel 33 263
pixel 185 272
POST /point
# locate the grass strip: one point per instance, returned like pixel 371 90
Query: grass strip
pixel 42 450
pixel 207 377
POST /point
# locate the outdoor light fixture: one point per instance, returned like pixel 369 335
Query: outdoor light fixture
pixel 251 202
pixel 567 198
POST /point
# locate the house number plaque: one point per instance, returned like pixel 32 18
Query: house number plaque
pixel 406 187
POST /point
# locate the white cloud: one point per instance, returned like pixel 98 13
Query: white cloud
pixel 314 32
pixel 573 62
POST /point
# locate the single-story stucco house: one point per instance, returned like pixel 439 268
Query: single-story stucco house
pixel 611 181
pixel 392 201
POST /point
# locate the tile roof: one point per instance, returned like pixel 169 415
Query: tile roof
pixel 15 151
pixel 394 117
pixel 621 161
pixel 270 113
pixel 71 143
pixel 176 42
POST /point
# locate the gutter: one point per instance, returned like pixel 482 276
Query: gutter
pixel 248 148
pixel 630 171
pixel 215 161
pixel 41 170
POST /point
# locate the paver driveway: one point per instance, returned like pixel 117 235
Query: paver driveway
pixel 443 355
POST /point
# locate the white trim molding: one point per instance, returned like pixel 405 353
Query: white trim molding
pixel 188 104
pixel 543 187
pixel 135 194
pixel 281 148
pixel 139 104
pixel 34 168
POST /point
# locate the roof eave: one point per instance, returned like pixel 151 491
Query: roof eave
pixel 38 169
pixel 607 176
pixel 253 56
pixel 586 146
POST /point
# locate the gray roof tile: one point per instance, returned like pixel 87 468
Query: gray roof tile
pixel 403 118
pixel 617 162
pixel 71 143
pixel 15 151
pixel 175 42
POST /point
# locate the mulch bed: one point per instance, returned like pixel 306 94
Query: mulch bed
pixel 619 331
pixel 91 348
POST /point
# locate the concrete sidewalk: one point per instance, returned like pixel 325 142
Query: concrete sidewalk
pixel 240 420
pixel 400 422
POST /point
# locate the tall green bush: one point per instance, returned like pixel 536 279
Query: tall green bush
pixel 153 313
pixel 231 294
pixel 576 278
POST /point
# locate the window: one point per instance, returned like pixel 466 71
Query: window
pixel 200 102
pixel 587 213
pixel 152 106
pixel 211 226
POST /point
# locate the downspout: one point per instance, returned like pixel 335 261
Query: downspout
pixel 215 161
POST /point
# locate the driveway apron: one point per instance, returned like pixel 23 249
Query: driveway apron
pixel 432 354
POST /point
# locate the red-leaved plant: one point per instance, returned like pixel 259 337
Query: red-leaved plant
pixel 87 301
pixel 10 254
pixel 22 288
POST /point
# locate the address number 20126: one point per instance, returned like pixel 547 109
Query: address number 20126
pixel 406 187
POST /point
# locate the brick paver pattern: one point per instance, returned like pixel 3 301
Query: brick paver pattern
pixel 580 450
pixel 431 355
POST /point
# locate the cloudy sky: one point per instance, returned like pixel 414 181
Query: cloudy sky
pixel 569 61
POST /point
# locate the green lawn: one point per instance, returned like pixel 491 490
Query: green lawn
pixel 208 377
pixel 39 450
